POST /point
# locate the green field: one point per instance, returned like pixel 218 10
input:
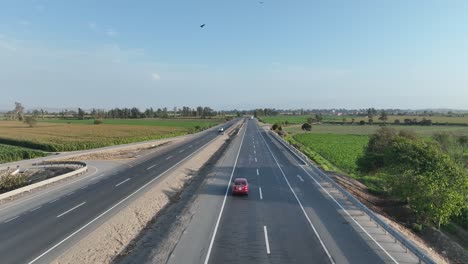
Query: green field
pixel 340 150
pixel 68 135
pixel 425 131
pixel 13 153
pixel 301 119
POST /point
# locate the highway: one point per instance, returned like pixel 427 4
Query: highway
pixel 39 229
pixel 289 216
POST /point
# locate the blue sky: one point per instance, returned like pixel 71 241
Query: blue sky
pixel 283 54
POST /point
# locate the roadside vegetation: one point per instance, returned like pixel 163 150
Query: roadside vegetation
pixel 13 153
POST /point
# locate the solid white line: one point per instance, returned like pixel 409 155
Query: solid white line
pixel 265 231
pixel 258 173
pixel 300 178
pixel 66 212
pixel 11 219
pixel 150 167
pixel 354 220
pixel 170 157
pixel 122 182
pixel 299 202
pixel 32 210
pixel 117 204
pixel 207 258
pixel 261 195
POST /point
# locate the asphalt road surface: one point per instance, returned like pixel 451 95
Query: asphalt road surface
pixel 286 218
pixel 39 229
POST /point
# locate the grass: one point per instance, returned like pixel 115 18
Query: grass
pixel 341 150
pixel 301 119
pixel 81 134
pixel 13 153
pixel 425 131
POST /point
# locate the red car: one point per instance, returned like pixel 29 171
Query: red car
pixel 240 186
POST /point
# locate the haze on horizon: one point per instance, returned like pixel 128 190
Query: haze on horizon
pixel 281 54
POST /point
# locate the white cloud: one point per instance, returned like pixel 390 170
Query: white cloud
pixel 112 33
pixel 92 26
pixel 155 76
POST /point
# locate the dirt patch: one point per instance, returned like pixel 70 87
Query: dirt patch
pixel 439 246
pixel 113 237
pixel 119 154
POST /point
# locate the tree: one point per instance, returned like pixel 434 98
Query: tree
pixel 319 117
pixel 383 116
pixel 306 127
pixel 310 120
pixel 353 120
pixel 81 114
pixel 396 122
pixel 362 122
pixel 18 112
pixel 344 120
pixel 371 121
pixel 30 121
pixel 433 184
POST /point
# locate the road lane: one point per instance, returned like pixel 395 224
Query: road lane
pixel 40 233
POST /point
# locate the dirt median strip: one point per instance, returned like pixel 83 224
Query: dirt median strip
pixel 113 236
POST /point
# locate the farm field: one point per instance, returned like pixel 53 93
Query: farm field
pixel 185 123
pixel 62 136
pixel 425 131
pixel 13 153
pixel 301 119
pixel 341 150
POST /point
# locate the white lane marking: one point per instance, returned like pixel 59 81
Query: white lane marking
pixel 261 195
pixel 117 204
pixel 190 146
pixel 255 152
pixel 11 219
pixel 84 187
pixel 207 258
pixel 254 146
pixel 170 157
pixel 54 200
pixel 70 193
pixel 300 178
pixel 267 244
pixel 349 215
pixel 255 159
pixel 150 167
pixel 258 173
pixel 180 151
pixel 66 212
pixel 299 202
pixel 122 182
pixel 32 210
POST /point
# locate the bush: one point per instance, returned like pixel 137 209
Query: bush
pixel 98 121
pixel 362 122
pixel 306 126
pixel 396 122
pixel 276 127
pixel 417 228
pixel 11 182
pixel 30 121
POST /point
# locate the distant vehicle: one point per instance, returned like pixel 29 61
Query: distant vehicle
pixel 251 117
pixel 240 186
pixel 221 129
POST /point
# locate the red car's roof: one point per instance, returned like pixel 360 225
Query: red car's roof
pixel 240 180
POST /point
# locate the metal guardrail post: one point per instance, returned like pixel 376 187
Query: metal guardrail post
pixel 396 235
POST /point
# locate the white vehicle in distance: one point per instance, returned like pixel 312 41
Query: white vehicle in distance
pixel 221 129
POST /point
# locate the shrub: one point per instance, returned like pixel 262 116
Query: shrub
pixel 397 121
pixel 30 121
pixel 98 121
pixel 306 126
pixel 362 122
pixel 11 182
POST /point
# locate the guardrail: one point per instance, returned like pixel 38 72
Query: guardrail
pixel 422 256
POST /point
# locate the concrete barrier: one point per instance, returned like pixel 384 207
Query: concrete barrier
pixel 36 185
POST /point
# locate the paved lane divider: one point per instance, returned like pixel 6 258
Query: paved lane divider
pixel 122 182
pixel 66 212
pixel 267 244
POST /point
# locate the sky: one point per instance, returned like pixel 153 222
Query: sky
pixel 279 53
